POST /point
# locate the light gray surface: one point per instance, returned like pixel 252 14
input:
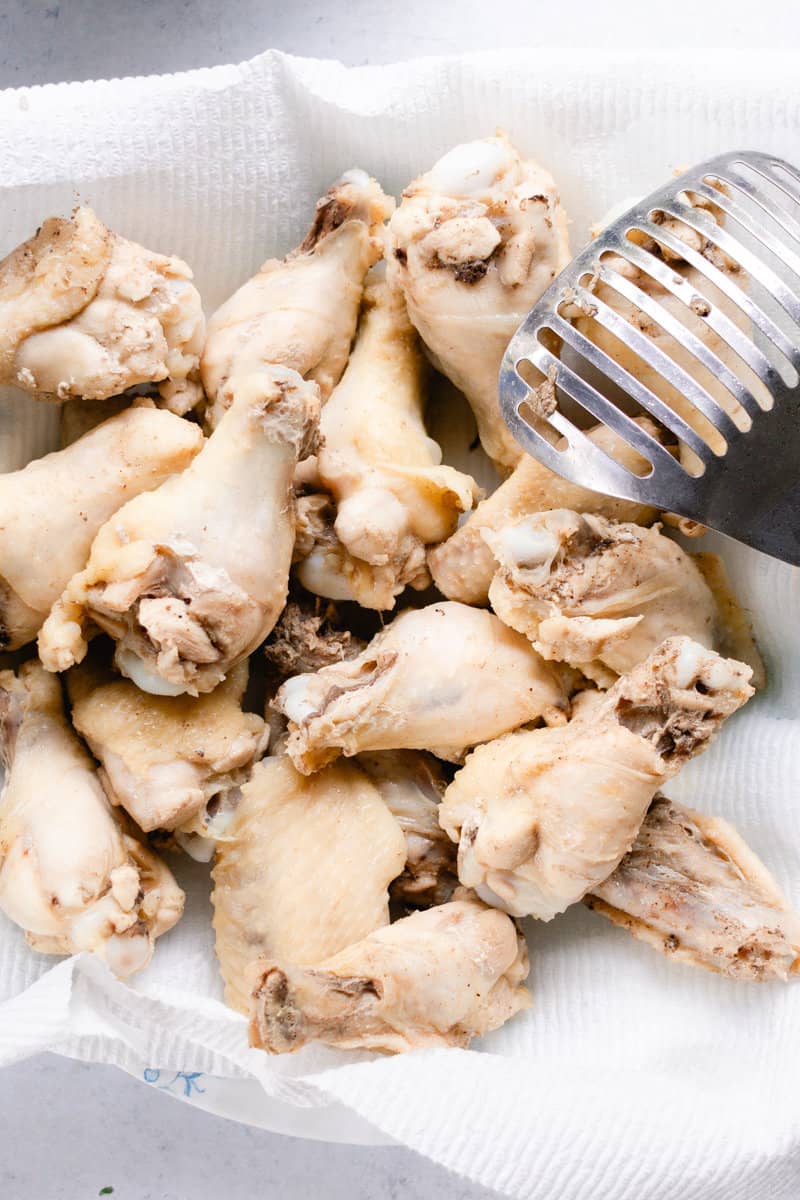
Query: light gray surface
pixel 43 41
pixel 68 1129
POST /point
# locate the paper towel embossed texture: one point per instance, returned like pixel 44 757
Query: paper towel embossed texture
pixel 630 1078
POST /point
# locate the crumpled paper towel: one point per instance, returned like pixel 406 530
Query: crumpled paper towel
pixel 630 1078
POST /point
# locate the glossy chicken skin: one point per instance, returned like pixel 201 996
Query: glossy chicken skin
pixel 441 678
pixel 599 594
pixel 71 875
pixel 86 313
pixel 473 245
pixel 543 816
pixel 436 978
pixel 392 495
pixel 165 759
pixel 51 510
pixel 304 868
pixel 184 584
pixel 301 312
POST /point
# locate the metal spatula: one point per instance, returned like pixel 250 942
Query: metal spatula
pixel 744 209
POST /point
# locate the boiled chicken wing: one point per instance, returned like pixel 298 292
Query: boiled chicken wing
pixel 544 816
pixel 463 566
pixel 441 678
pixel 393 496
pixel 303 870
pixel 600 594
pixel 51 510
pixel 71 875
pixel 435 978
pixel 190 578
pixel 84 312
pixel 473 245
pixel 691 888
pixel 301 312
pixel 166 759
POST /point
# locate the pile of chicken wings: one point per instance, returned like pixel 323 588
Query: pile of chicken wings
pixel 248 614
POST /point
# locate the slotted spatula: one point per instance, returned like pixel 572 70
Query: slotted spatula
pixel 751 490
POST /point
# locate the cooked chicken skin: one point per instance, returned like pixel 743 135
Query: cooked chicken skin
pixel 692 889
pixel 473 245
pixel 436 978
pixel 463 566
pixel 301 312
pixel 393 496
pixel 543 816
pixel 51 510
pixel 304 869
pixel 165 758
pixel 599 594
pixel 412 785
pixel 190 578
pixel 84 312
pixel 441 678
pixel 71 875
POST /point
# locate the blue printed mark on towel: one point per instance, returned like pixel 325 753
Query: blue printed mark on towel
pixel 187 1081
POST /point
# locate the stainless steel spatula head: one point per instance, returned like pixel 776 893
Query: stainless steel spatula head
pixel 686 310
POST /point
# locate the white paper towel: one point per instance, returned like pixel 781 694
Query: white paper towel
pixel 631 1078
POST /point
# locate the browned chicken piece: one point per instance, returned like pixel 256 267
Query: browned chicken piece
pixel 474 244
pixel 391 493
pixel 463 566
pixel 544 816
pixel 190 579
pixel 691 888
pixel 435 978
pixel 170 761
pixel 441 678
pixel 71 874
pixel 301 312
pixel 412 784
pixel 84 312
pixel 601 595
pixel 51 510
pixel 303 870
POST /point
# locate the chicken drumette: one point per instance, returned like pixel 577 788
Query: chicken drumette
pixel 51 510
pixel 86 313
pixel 544 816
pixel 71 875
pixel 190 578
pixel 473 245
pixel 392 495
pixel 436 978
pixel 301 312
pixel 441 678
